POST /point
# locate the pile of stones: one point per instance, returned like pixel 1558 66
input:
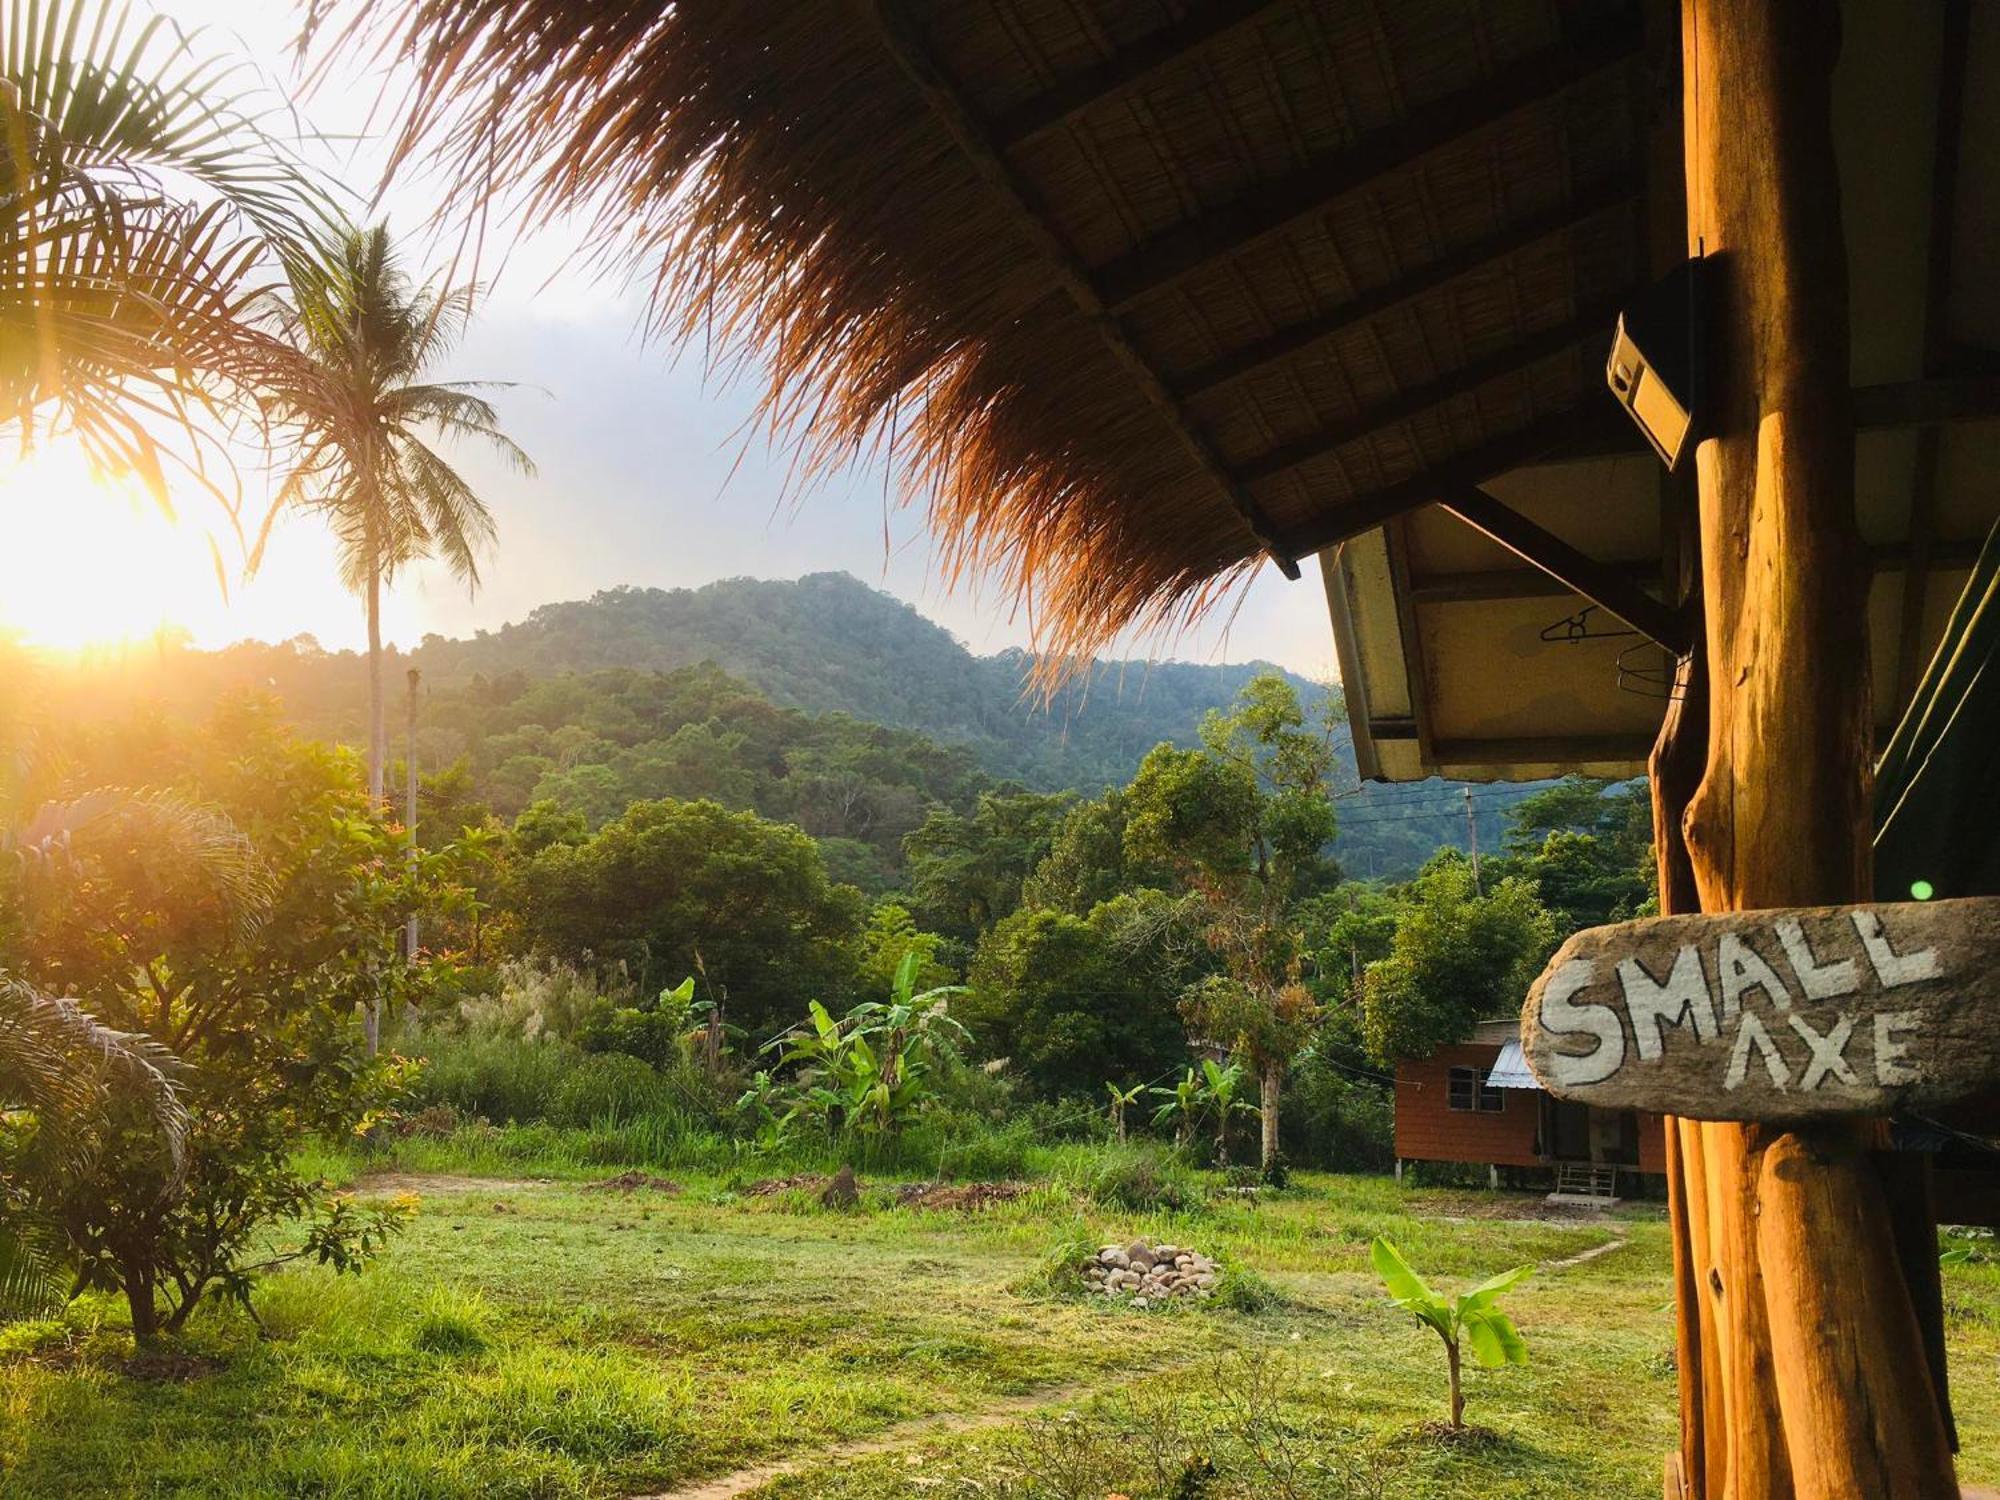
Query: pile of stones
pixel 1148 1273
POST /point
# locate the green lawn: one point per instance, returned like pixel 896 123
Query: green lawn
pixel 543 1340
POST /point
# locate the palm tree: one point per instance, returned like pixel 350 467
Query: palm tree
pixel 363 412
pixel 144 209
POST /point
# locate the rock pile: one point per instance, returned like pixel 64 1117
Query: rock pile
pixel 1149 1273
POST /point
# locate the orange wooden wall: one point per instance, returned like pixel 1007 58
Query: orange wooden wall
pixel 1429 1129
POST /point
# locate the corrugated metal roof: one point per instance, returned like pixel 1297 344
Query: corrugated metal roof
pixel 1510 1069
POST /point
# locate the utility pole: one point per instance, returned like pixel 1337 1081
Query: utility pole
pixel 410 808
pixel 1472 842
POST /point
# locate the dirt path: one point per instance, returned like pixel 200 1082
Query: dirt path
pixel 1591 1254
pixel 902 1435
pixel 435 1183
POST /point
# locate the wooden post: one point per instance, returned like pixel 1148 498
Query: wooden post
pixel 1808 1369
pixel 410 806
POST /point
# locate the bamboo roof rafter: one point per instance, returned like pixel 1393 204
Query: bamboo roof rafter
pixel 913 57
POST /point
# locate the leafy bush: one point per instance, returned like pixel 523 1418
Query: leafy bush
pixel 607 1088
pixel 1336 1120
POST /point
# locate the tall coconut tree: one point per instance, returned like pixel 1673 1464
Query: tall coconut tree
pixel 366 415
pixel 144 211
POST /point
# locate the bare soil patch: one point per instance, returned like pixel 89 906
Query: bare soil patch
pixel 439 1183
pixel 633 1182
pixel 966 1196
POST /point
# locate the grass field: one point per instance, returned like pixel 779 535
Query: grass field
pixel 543 1339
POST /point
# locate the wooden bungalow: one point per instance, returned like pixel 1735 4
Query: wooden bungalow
pixel 1142 295
pixel 1477 1104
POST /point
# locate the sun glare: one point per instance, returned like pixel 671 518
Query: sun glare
pixel 92 561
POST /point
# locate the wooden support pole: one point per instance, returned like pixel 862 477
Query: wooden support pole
pixel 1816 1387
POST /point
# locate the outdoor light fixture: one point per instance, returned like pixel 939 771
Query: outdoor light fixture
pixel 1655 365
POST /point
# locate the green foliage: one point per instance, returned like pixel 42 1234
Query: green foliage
pixel 1068 999
pixel 1472 1318
pixel 1143 1178
pixel 255 985
pixel 966 871
pixel 889 937
pixel 671 888
pixel 872 1072
pixel 608 1088
pixel 1334 1118
pixel 1457 958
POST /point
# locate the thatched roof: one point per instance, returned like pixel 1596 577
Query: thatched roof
pixel 1140 291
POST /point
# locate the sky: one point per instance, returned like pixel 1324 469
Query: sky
pixel 648 472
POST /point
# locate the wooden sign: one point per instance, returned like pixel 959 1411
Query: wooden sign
pixel 1774 1015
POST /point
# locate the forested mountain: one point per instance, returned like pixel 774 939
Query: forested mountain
pixel 804 677
pixel 828 643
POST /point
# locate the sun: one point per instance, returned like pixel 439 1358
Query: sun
pixel 89 561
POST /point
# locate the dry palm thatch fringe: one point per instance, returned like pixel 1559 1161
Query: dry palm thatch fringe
pixel 796 203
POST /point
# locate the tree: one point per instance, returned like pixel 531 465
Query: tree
pixel 1457 958
pixel 1070 999
pixel 1587 846
pixel 674 888
pixel 244 932
pixel 1244 822
pixel 1087 861
pixel 364 411
pixel 966 870
pixel 141 209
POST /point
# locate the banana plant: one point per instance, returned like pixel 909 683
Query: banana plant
pixel 1122 1100
pixel 1180 1105
pixel 1222 1094
pixel 1471 1318
pixel 872 1070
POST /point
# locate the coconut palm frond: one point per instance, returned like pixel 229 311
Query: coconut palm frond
pixel 166 832
pixel 114 97
pixel 28 1262
pixel 145 211
pixel 66 1067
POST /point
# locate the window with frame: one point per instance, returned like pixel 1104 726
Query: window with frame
pixel 1469 1092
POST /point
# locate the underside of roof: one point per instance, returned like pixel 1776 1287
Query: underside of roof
pixel 1145 293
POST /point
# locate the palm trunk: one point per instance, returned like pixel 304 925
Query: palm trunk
pixel 1270 1078
pixel 378 754
pixel 139 1298
pixel 378 723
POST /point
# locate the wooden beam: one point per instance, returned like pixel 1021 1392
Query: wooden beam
pixel 1937 402
pixel 1561 432
pixel 1269 208
pixel 1954 41
pixel 1458 381
pixel 903 43
pixel 1599 584
pixel 1416 674
pixel 1310 333
pixel 1118 75
pixel 1485 585
pixel 1524 750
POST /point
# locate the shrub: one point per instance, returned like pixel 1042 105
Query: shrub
pixel 653 1036
pixel 1333 1119
pixel 500 1077
pixel 1144 1179
pixel 607 1088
